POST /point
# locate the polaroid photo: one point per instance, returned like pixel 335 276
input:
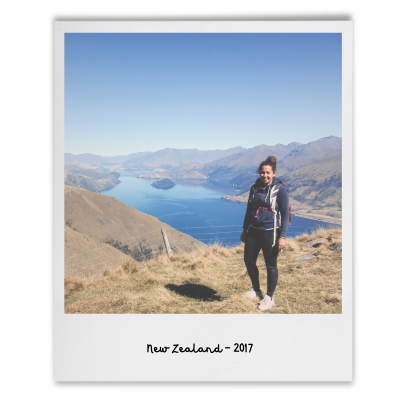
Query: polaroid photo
pixel 202 222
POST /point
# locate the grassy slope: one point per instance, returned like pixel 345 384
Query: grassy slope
pixel 304 287
pixel 85 255
pixel 92 218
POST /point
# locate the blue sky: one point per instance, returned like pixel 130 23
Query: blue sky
pixel 126 93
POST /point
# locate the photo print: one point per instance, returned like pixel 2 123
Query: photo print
pixel 203 209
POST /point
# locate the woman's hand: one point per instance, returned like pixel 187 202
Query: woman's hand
pixel 281 243
pixel 243 237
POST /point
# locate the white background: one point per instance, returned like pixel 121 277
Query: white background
pixel 26 200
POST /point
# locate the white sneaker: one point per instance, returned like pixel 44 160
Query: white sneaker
pixel 252 294
pixel 266 303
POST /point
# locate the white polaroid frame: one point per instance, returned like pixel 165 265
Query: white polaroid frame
pixel 285 348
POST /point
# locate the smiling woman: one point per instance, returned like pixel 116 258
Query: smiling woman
pixel 265 227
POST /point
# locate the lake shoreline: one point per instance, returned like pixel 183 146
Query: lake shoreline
pixel 306 214
pixel 321 218
pixel 198 211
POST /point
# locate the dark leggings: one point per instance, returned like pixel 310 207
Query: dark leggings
pixel 255 241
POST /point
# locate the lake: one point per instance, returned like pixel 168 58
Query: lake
pixel 196 209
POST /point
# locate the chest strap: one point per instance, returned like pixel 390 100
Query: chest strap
pixel 263 208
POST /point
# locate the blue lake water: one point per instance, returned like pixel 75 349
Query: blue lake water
pixel 196 210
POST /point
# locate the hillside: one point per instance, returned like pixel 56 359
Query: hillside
pixel 213 280
pixel 88 178
pixel 318 186
pixel 299 155
pixel 308 153
pixel 85 255
pixel 100 230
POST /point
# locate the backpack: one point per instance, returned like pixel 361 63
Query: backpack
pixel 272 198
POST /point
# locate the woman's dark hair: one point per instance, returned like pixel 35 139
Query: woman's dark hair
pixel 271 161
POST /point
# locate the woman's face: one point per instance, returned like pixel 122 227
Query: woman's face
pixel 266 174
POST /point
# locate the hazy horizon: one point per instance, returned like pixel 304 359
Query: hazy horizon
pixel 174 148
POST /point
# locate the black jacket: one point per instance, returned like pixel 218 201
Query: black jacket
pixel 259 213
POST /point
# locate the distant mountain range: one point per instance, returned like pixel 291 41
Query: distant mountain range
pixel 181 164
pixel 147 161
pixel 312 171
pixel 297 156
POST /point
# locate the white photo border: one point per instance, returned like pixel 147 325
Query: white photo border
pixel 286 348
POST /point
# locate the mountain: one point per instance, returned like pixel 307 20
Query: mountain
pixel 289 158
pixel 83 170
pixel 169 158
pixel 319 184
pixel 310 152
pixel 92 161
pixel 236 165
pixel 166 159
pixel 298 156
pixel 100 229
pixel 312 189
pixel 246 162
pixel 88 178
pixel 231 168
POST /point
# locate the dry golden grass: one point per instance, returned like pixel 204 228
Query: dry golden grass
pixel 213 280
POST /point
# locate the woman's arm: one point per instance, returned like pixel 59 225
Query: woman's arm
pixel 247 216
pixel 283 205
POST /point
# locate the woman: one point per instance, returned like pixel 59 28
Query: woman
pixel 264 227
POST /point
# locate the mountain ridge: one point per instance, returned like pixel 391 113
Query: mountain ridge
pixel 231 165
pixel 237 167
